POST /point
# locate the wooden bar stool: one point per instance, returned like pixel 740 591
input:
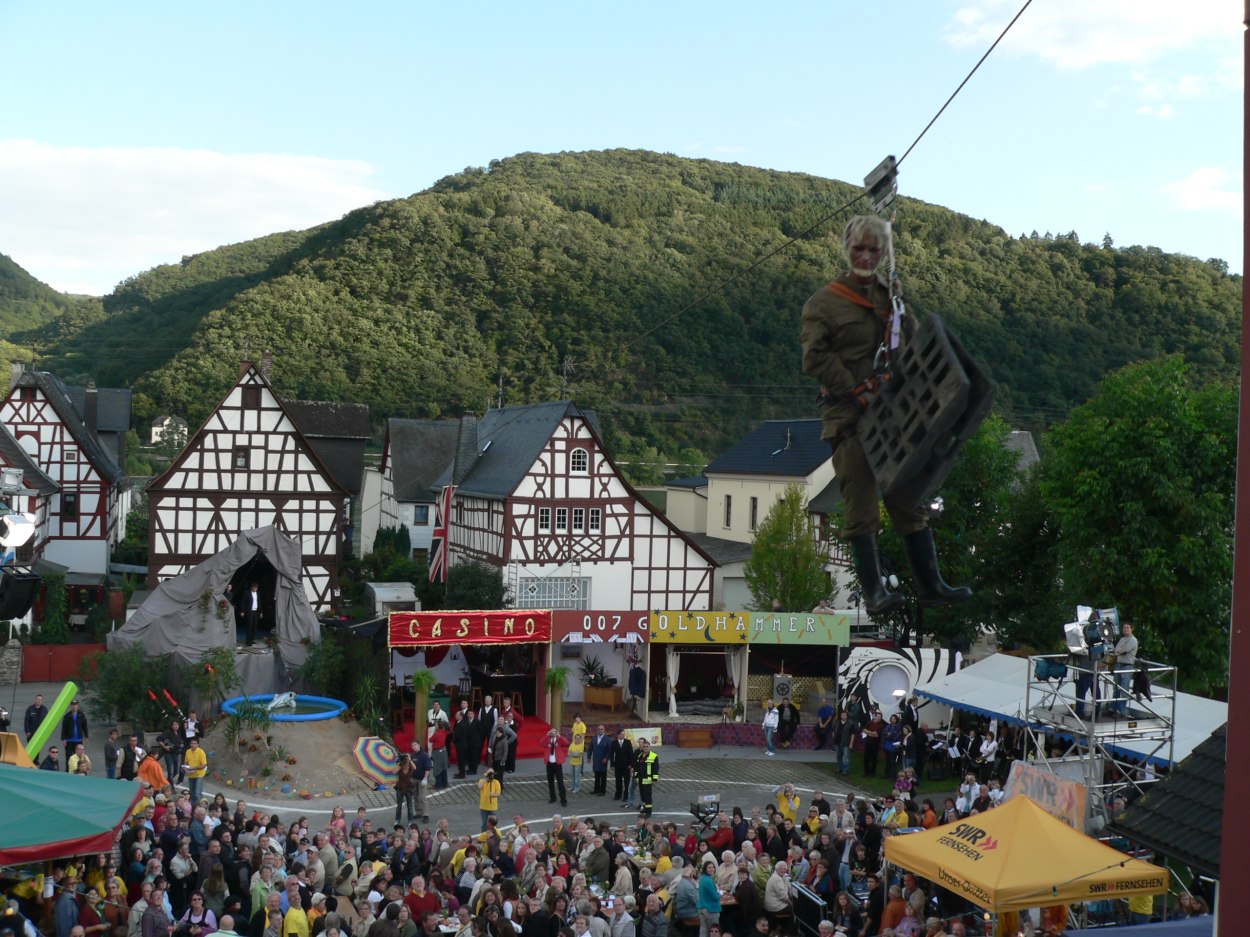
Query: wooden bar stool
pixel 475 698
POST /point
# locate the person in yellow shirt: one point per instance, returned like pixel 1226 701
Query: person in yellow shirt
pixel 295 923
pixel 488 789
pixel 788 802
pixel 195 764
pixel 663 863
pixel 577 754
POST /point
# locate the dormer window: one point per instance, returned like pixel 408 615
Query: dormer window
pixel 579 461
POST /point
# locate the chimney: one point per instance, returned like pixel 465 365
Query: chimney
pixel 91 408
pixel 16 370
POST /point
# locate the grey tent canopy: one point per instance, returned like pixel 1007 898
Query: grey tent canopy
pixel 182 616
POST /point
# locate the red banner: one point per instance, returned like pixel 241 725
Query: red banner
pixel 594 626
pixel 512 626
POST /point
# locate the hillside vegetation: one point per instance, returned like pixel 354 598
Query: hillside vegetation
pixel 557 274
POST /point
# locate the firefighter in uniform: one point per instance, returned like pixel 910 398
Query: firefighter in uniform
pixel 844 324
pixel 647 771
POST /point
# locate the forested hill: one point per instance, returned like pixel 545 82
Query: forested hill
pixel 27 305
pixel 562 272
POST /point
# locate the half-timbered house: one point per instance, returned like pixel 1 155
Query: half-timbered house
pixel 537 495
pixel 26 489
pixel 87 514
pixel 248 466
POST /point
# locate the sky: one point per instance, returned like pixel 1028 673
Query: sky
pixel 134 134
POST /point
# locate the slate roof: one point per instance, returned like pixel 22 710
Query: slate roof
pixel 775 447
pixel 57 394
pixel 339 432
pixel 694 481
pixel 1022 442
pixel 827 499
pixel 17 457
pixel 419 451
pixel 112 407
pixel 330 418
pixel 1182 815
pixel 723 552
pixel 508 440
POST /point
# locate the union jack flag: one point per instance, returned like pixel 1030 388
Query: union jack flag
pixel 439 544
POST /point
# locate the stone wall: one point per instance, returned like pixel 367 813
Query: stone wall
pixel 11 663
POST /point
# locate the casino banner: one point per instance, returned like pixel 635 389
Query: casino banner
pixel 593 627
pixel 810 628
pixel 510 626
pixel 738 628
pixel 729 628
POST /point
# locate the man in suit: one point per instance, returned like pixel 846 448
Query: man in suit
pixel 462 738
pixel 600 758
pixel 622 754
pixel 487 716
pixel 251 610
pixel 910 710
pixel 36 712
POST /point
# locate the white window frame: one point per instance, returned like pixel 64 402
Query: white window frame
pixel 555 592
pixel 562 519
pixel 579 519
pixel 544 519
pixel 595 520
pixel 729 511
pixel 579 455
pixel 753 513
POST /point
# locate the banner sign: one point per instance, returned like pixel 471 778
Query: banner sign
pixel 512 626
pixel 1058 796
pixel 574 627
pixel 698 628
pixel 737 628
pixel 814 630
pixel 652 734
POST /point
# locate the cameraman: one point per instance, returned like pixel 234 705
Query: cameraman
pixel 488 788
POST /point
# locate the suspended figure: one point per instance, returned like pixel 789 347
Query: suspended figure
pixel 849 329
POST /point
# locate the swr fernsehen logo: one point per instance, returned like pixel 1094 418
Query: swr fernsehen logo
pixel 969 840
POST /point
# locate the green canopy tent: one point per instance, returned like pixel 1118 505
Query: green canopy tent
pixel 51 814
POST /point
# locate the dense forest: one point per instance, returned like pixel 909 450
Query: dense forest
pixel 582 275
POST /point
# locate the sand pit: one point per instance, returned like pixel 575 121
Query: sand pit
pixel 313 759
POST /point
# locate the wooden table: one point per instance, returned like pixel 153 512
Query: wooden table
pixel 605 697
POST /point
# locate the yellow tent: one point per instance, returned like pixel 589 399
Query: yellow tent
pixel 1018 856
pixel 13 752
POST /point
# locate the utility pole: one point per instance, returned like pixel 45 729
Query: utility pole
pixel 501 390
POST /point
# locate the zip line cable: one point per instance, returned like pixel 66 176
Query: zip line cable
pixel 821 222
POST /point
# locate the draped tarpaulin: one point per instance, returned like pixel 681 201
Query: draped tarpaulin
pixel 182 616
pixel 51 814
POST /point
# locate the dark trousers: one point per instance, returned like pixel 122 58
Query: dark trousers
pixel 555 778
pixel 601 782
pixel 250 620
pixel 644 795
pixel 462 757
pixel 871 748
pixel 622 783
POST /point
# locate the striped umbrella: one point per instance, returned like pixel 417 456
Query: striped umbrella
pixel 377 758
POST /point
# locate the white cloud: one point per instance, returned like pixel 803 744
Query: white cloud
pixel 1076 34
pixel 1162 111
pixel 1207 189
pixel 82 219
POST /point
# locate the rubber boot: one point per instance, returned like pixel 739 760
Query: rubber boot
pixel 877 598
pixel 931 590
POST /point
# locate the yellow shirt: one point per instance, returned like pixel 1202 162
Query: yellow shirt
pixel 788 807
pixel 488 794
pixel 663 865
pixel 577 747
pixel 295 924
pixel 197 760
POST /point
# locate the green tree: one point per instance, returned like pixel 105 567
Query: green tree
pixel 1141 484
pixel 786 561
pixel 474 585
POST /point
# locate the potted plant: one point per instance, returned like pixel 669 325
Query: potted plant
pixel 422 682
pixel 557 682
pixel 592 672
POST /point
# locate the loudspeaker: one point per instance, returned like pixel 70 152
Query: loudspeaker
pixel 783 685
pixel 17 593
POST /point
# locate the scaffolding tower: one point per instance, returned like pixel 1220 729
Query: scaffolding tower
pixel 1089 740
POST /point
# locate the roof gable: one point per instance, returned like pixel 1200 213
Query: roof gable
pixel 199 466
pixel 790 448
pixel 56 393
pixel 509 441
pixel 330 418
pixel 14 456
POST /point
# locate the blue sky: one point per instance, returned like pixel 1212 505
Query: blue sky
pixel 135 133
